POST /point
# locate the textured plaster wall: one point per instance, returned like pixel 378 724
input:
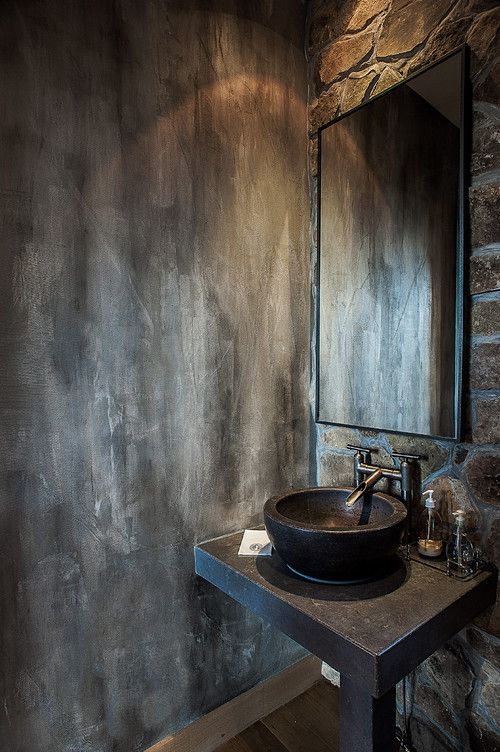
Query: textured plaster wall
pixel 154 321
pixel 357 49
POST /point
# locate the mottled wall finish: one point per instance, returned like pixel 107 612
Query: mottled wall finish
pixel 357 49
pixel 154 364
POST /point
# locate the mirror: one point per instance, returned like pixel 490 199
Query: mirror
pixel 391 258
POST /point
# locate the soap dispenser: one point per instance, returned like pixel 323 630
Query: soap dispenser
pixel 430 534
pixel 460 551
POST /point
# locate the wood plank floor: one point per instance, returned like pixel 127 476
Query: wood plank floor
pixel 309 723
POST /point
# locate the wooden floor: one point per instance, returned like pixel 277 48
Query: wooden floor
pixel 307 724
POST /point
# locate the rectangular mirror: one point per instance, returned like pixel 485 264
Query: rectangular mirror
pixel 389 344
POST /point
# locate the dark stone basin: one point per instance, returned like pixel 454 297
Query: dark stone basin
pixel 318 537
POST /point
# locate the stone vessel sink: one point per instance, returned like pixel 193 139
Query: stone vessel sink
pixel 318 537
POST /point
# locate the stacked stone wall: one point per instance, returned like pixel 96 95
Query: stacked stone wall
pixel 357 49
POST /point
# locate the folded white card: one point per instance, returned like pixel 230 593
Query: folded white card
pixel 255 543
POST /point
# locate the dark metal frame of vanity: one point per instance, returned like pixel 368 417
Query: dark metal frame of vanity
pixel 374 634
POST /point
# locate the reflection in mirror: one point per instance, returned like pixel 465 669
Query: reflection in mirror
pixel 390 238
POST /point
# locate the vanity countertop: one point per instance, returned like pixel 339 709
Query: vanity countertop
pixel 375 633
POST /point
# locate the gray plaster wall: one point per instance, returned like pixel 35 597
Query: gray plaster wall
pixel 154 328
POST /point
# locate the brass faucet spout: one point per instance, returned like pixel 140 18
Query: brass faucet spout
pixel 364 486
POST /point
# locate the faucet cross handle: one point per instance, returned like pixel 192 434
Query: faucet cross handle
pixel 363 452
pixel 410 457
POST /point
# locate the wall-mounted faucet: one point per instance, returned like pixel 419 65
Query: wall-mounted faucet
pixel 404 475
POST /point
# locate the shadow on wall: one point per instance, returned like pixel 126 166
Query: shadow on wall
pixel 154 315
pixel 282 17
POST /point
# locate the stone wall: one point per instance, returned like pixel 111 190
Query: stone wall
pixel 356 49
pixel 154 321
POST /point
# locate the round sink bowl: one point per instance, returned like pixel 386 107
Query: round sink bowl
pixel 319 538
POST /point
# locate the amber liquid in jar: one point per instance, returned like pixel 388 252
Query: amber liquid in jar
pixel 430 547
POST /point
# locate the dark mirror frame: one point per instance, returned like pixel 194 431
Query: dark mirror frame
pixel 462 229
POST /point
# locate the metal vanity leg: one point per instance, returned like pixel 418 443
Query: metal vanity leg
pixel 367 724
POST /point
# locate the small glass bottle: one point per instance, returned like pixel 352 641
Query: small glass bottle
pixel 460 551
pixel 430 533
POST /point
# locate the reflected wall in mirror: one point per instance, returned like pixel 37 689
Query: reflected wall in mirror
pixel 390 258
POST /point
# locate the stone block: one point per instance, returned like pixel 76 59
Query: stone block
pixel 485 214
pixel 484 40
pixel 447 37
pixel 485 711
pixel 427 738
pixel 460 453
pixel 434 706
pixel 324 108
pixel 448 671
pixel 482 472
pixel 491 541
pixel 489 620
pixel 343 56
pixel 485 273
pixel 335 470
pixel 485 645
pixel 485 366
pixel 326 20
pixel 436 455
pixel 485 139
pixel 486 317
pixel 486 422
pixel 408 24
pixel 442 685
pixel 451 495
pixel 388 77
pixel 471 8
pixel 482 738
pixel 356 88
pixel 331 19
pixel 364 12
pixel 313 156
pixel 487 88
pixel 338 437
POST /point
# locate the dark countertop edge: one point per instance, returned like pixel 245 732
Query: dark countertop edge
pixel 376 655
pixel 270 593
pixel 399 659
pixel 339 652
pixel 379 670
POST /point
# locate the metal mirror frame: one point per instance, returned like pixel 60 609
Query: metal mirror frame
pixel 462 228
